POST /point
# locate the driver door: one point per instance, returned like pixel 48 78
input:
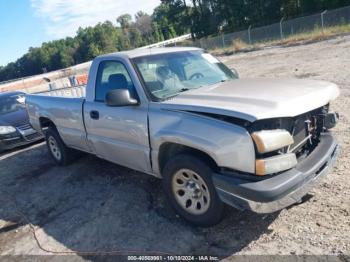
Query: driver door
pixel 117 134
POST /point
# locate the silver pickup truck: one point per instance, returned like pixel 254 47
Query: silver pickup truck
pixel 181 115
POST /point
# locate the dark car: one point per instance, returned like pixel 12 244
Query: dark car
pixel 15 129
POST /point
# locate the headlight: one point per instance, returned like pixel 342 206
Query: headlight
pixel 4 130
pixel 271 140
pixel 275 164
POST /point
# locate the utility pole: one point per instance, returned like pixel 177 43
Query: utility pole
pixel 322 19
pixel 249 35
pixel 281 27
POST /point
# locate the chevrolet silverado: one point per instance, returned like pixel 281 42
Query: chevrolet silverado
pixel 181 115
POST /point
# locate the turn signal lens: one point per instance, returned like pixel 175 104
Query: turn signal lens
pixel 275 164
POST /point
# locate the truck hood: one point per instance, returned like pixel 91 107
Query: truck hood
pixel 255 99
pixel 16 118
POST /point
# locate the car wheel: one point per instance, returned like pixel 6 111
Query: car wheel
pixel 60 153
pixel 189 188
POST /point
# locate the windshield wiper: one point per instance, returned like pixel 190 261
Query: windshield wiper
pixel 180 91
pixel 183 90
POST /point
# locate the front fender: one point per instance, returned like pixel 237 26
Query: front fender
pixel 229 145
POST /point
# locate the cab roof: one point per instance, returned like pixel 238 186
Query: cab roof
pixel 151 51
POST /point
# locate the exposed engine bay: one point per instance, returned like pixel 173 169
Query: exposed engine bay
pixel 305 129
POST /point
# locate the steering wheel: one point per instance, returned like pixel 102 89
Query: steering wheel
pixel 196 76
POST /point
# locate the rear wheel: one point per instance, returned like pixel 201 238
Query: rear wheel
pixel 60 153
pixel 189 188
pixel 54 148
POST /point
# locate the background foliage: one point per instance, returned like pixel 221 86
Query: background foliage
pixel 170 19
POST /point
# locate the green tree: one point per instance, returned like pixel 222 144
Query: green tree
pixel 143 22
pixel 169 19
pixel 157 34
pixel 124 21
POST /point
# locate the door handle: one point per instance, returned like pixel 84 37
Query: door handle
pixel 94 114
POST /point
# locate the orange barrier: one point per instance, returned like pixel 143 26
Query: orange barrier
pixel 81 79
pixel 31 85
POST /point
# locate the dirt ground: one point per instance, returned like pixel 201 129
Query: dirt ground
pixel 93 205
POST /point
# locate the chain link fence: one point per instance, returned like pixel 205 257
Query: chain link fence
pixel 283 29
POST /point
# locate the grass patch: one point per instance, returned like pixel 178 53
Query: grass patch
pixel 315 35
pixel 239 45
pixel 310 36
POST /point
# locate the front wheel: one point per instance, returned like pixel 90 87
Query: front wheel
pixel 189 188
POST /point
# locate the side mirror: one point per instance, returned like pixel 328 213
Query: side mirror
pixel 235 72
pixel 120 97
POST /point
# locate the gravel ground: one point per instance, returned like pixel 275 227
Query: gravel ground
pixel 93 205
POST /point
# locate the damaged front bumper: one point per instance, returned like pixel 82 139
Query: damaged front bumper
pixel 282 190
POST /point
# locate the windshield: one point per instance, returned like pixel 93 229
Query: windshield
pixel 166 75
pixel 11 103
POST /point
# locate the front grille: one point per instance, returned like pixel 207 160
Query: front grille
pixel 24 127
pixel 27 132
pixel 33 136
pixel 299 133
pixel 305 129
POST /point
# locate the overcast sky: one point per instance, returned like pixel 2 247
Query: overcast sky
pixel 26 23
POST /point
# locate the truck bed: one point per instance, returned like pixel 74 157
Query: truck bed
pixel 65 109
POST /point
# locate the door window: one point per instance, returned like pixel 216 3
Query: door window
pixel 112 75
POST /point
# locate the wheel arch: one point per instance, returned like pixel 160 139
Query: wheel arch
pixel 45 123
pixel 170 149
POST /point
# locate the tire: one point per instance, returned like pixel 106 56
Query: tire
pixel 60 153
pixel 186 182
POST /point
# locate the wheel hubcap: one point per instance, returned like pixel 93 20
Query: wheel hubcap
pixel 55 150
pixel 191 191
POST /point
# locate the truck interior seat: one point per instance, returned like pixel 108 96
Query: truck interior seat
pixel 117 81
